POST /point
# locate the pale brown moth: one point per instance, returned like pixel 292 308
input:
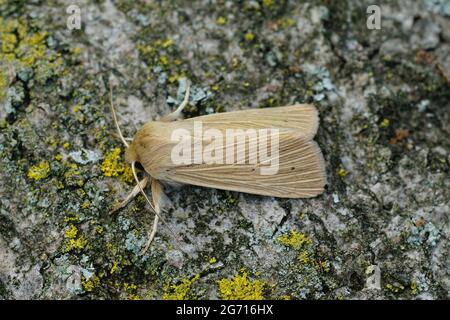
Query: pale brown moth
pixel 301 169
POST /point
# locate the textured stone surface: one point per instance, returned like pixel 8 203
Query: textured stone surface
pixel 381 230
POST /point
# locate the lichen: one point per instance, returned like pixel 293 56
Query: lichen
pixel 342 172
pixel 212 260
pixel 424 233
pixel 240 287
pixel 3 85
pixel 221 21
pixel 39 171
pixel 73 240
pixel 294 239
pixel 249 36
pixel 26 49
pixel 304 257
pixel 113 268
pixel 395 287
pixel 73 175
pixel 113 166
pixel 180 291
pixel 90 284
pixel 413 287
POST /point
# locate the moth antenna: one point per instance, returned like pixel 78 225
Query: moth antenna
pixel 176 114
pixel 115 117
pixel 186 98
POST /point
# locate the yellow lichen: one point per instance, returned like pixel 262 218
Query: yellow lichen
pixel 39 171
pixel 181 291
pixel 167 43
pixel 113 166
pixel 213 260
pixel 395 288
pixel 3 85
pixel 91 283
pixel 76 108
pixel 86 204
pixel 32 49
pixel 268 3
pixel 74 241
pixel 239 287
pixel 342 172
pixel 324 266
pixel 129 286
pixel 75 51
pixel 249 36
pixel 73 176
pixel 164 60
pixel 414 287
pixel 74 218
pixel 72 232
pixel 9 41
pixel 221 21
pixel 234 62
pixel 25 48
pixel 294 239
pixel 127 175
pixel 385 123
pixel 286 23
pixel 303 257
pixel 172 78
pixel 113 268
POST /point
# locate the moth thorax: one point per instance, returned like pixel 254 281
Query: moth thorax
pixel 131 154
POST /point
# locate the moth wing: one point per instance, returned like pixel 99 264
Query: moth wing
pixel 300 174
pixel 301 118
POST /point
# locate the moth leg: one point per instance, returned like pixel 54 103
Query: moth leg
pixel 176 114
pixel 130 196
pixel 157 194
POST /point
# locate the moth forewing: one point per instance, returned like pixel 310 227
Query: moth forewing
pixel 300 172
pixel 292 165
pixel 301 118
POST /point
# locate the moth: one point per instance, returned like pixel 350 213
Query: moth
pixel 268 152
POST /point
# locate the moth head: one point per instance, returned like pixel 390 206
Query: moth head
pixel 131 154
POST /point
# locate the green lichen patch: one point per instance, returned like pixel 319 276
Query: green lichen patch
pixel 240 287
pixel 39 171
pixel 113 166
pixel 181 290
pixel 295 240
pixel 74 240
